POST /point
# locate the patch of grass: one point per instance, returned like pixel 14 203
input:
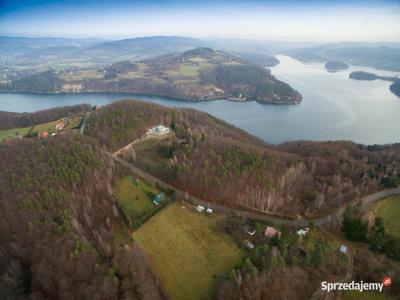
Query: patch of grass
pixel 74 122
pixel 315 235
pixel 188 251
pixel 50 127
pixel 134 200
pixel 389 211
pixel 369 295
pixel 12 132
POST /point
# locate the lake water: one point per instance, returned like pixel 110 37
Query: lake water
pixel 333 108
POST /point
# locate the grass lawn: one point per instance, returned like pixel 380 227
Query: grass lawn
pixel 50 127
pixel 369 295
pixel 133 199
pixel 188 251
pixel 12 132
pixel 389 210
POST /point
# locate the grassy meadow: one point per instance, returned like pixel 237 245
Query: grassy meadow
pixel 135 200
pixel 188 251
pixel 389 210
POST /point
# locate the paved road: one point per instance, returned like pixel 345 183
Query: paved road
pixel 81 130
pixel 367 201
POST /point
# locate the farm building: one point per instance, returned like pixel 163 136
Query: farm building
pixel 60 125
pixel 343 249
pixel 43 134
pixel 200 208
pixel 209 210
pixel 302 232
pixel 270 232
pixel 159 130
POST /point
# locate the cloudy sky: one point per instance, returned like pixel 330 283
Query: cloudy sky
pixel 310 20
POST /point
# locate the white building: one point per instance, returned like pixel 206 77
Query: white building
pixel 302 232
pixel 159 130
pixel 200 208
pixel 209 210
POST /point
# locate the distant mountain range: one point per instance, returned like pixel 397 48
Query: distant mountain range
pixel 33 51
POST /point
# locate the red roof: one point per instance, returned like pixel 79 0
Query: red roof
pixel 270 232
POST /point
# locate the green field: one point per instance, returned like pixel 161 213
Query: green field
pixel 389 211
pixel 355 295
pixel 187 251
pixel 50 127
pixel 12 132
pixel 134 199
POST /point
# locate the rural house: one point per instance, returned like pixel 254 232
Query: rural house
pixel 270 232
pixel 159 130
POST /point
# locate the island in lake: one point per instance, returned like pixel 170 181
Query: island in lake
pixel 197 75
pixel 334 66
pixel 361 75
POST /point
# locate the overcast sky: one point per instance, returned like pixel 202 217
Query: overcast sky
pixel 326 21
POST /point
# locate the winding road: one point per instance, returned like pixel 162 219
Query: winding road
pixel 366 201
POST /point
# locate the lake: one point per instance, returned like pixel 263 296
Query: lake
pixel 333 108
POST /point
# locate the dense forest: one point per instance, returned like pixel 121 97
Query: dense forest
pixel 10 120
pixel 220 163
pixel 61 234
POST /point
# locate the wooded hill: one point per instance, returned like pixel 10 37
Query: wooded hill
pixel 197 74
pixel 220 163
pixel 9 120
pixel 61 234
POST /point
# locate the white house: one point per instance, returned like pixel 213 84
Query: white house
pixel 343 249
pixel 209 211
pixel 302 232
pixel 200 208
pixel 159 130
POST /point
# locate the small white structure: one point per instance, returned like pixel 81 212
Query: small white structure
pixel 249 245
pixel 302 232
pixel 209 211
pixel 343 249
pixel 159 130
pixel 200 208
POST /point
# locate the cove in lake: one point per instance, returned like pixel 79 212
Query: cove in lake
pixel 334 107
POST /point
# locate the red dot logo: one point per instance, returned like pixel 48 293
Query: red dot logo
pixel 387 281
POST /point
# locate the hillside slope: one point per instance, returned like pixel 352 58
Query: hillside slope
pixel 198 74
pixel 59 225
pixel 220 163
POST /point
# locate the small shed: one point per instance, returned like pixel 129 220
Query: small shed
pixel 158 198
pixel 302 232
pixel 200 208
pixel 343 249
pixel 249 245
pixel 270 232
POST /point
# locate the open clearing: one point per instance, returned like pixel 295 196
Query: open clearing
pixel 12 132
pixel 389 211
pixel 134 199
pixel 188 251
